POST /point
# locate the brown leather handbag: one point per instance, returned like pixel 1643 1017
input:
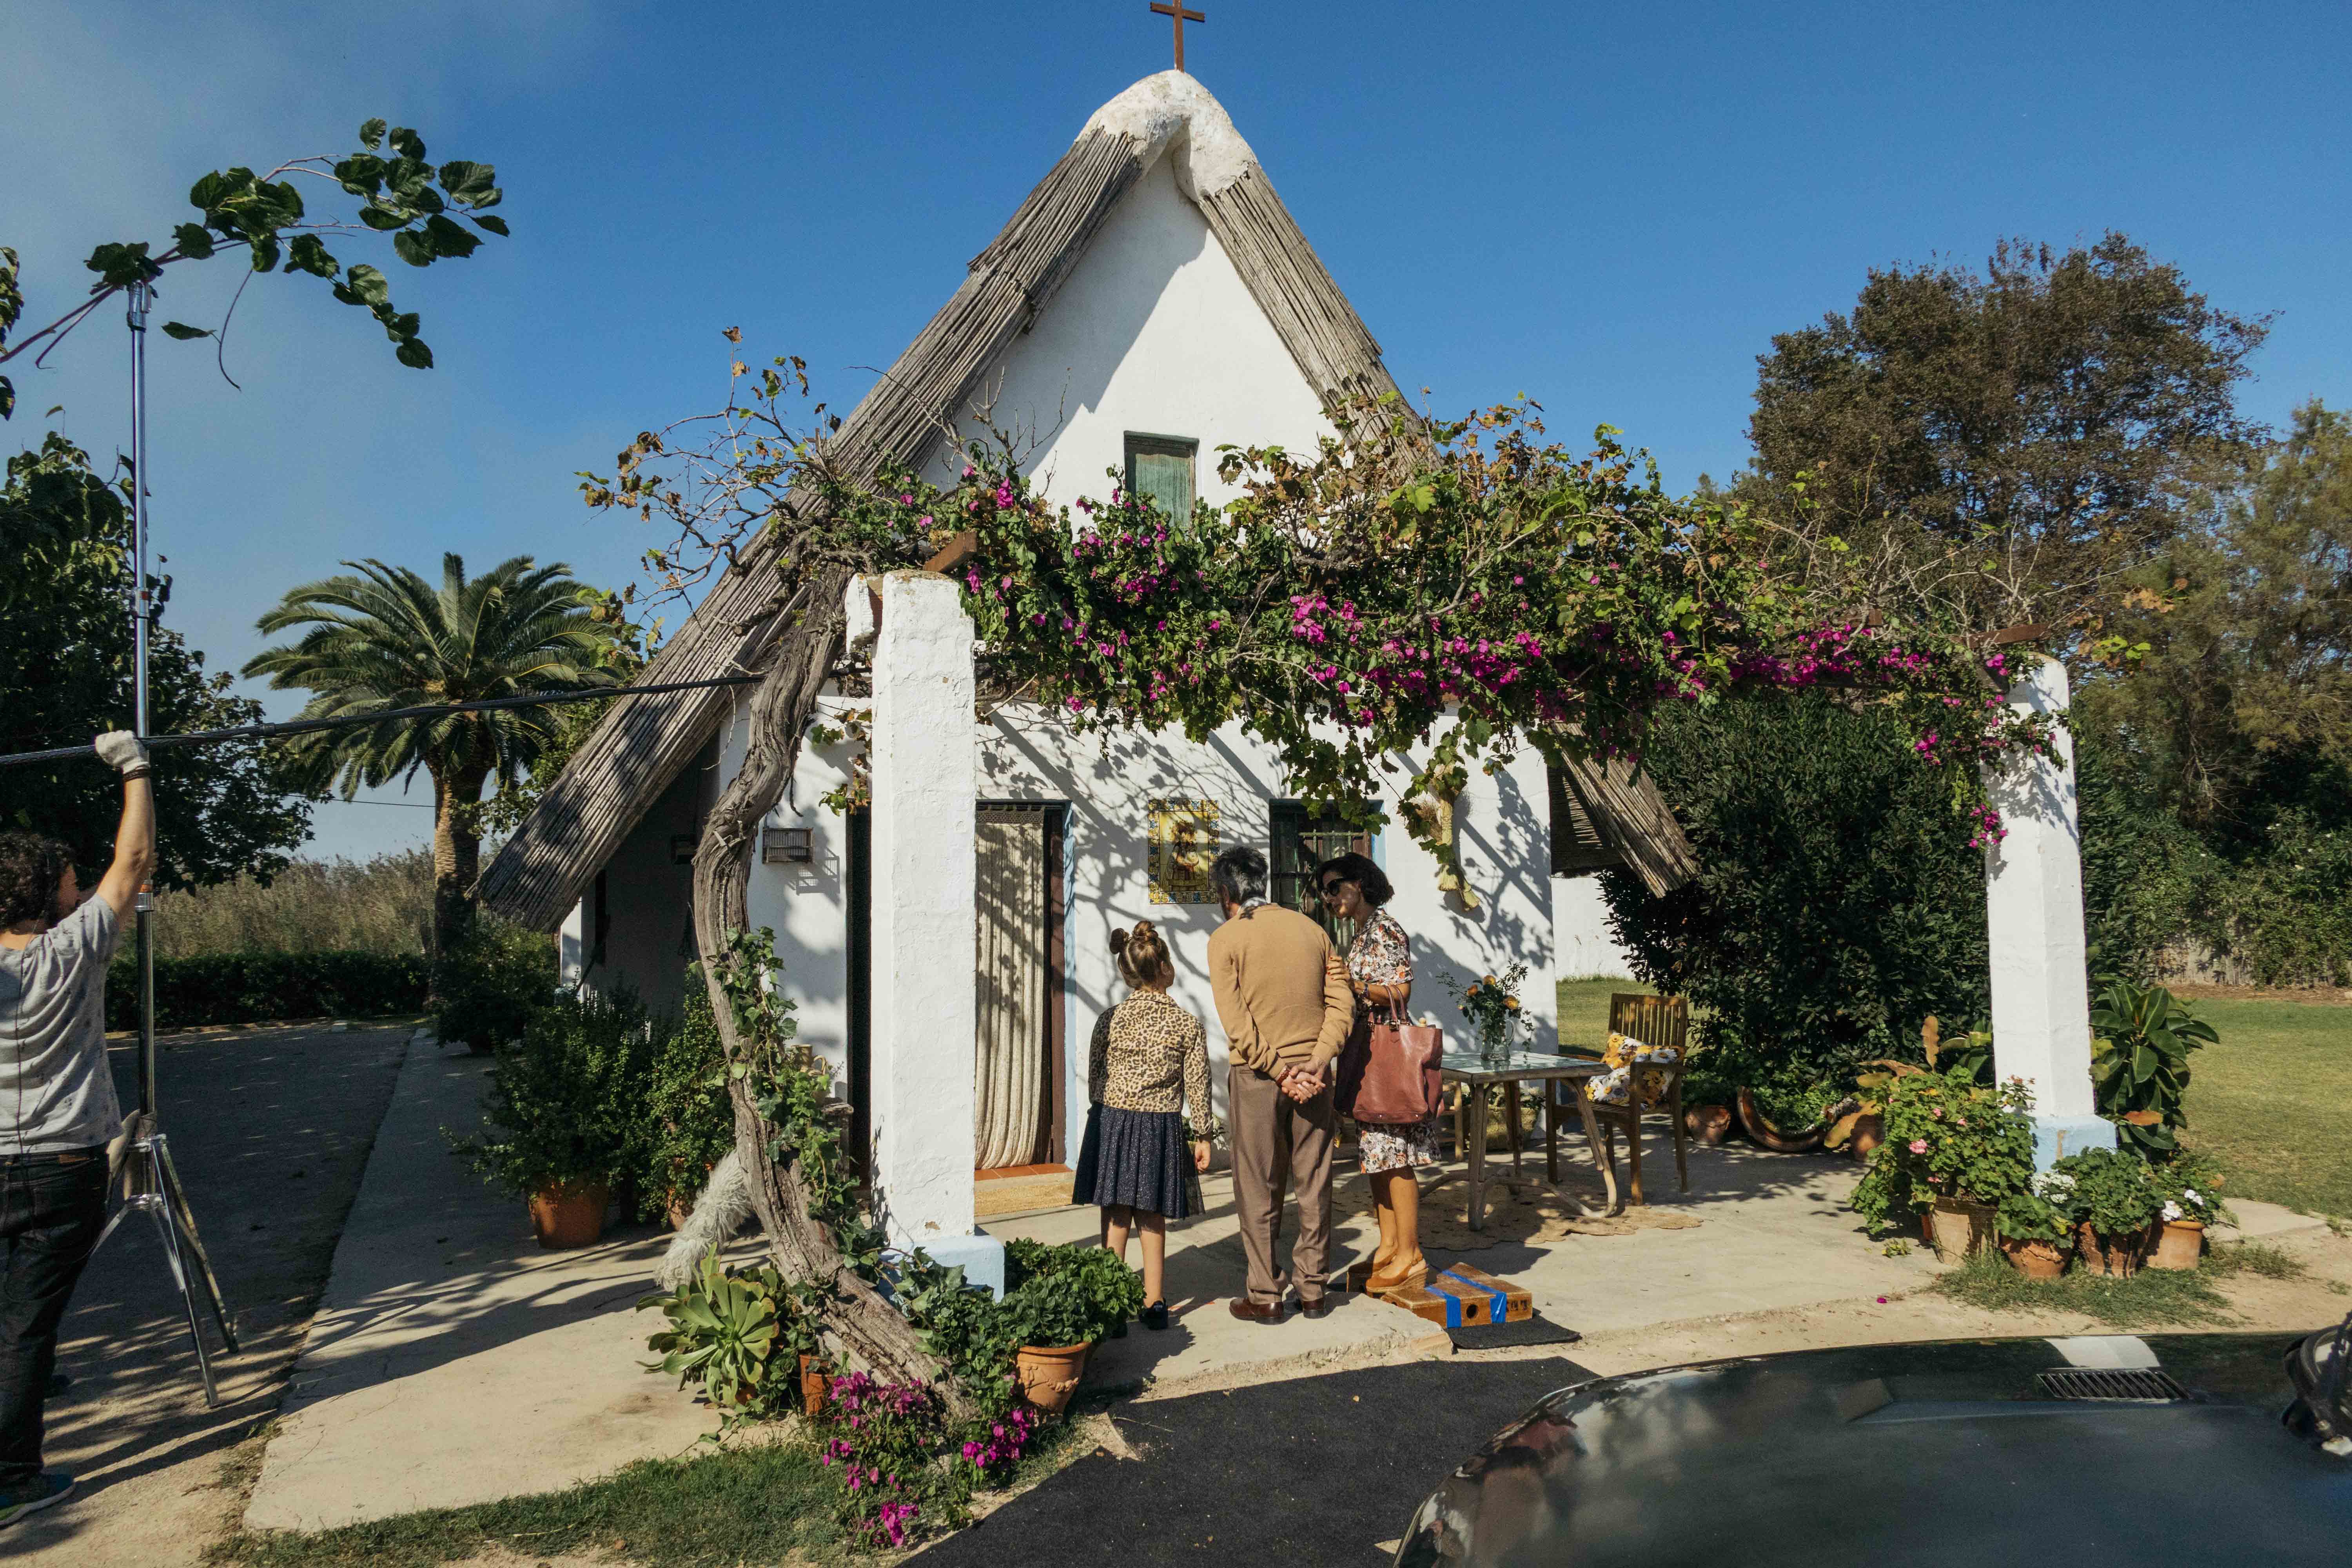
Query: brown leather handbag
pixel 1388 1074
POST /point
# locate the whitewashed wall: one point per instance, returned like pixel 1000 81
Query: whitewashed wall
pixel 1583 945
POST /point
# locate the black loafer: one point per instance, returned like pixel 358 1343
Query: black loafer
pixel 1154 1316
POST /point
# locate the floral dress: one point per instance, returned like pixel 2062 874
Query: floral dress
pixel 1382 955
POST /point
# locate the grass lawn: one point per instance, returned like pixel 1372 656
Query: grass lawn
pixel 2153 1298
pixel 1584 1009
pixel 2273 1100
pixel 756 1503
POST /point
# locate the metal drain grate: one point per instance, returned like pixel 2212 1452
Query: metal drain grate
pixel 2139 1385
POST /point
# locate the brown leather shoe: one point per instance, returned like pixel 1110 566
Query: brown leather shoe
pixel 1242 1307
pixel 1320 1306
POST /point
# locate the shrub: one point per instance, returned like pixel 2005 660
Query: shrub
pixel 260 987
pixel 1837 902
pixel 1948 1136
pixel 2139 1062
pixel 486 989
pixel 382 905
pixel 2188 1186
pixel 566 1101
pixel 689 1119
pixel 2108 1189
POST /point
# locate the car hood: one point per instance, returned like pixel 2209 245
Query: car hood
pixel 2167 1449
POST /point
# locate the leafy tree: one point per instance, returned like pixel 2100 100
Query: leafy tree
pixel 381 638
pixel 2004 448
pixel 401 195
pixel 624 656
pixel 66 671
pixel 1834 910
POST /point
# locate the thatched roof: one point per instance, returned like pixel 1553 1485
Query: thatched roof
pixel 641 745
pixel 1611 814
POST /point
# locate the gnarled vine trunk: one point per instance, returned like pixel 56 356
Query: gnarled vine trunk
pixel 856 1318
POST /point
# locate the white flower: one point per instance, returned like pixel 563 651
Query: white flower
pixel 2172 1210
pixel 2191 1194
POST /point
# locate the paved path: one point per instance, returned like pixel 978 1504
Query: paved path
pixel 270 1130
pixel 452 1361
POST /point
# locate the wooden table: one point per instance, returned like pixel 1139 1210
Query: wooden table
pixel 1480 1077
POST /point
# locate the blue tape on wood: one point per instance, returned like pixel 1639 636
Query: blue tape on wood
pixel 1498 1304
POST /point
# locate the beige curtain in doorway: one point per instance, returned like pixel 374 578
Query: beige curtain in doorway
pixel 1008 1079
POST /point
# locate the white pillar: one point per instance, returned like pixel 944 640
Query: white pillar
pixel 925 748
pixel 2033 909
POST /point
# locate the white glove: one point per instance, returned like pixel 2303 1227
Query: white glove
pixel 123 751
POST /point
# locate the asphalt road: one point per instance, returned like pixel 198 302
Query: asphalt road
pixel 270 1130
pixel 1308 1471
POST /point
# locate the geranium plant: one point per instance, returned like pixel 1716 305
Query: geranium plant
pixel 1948 1136
pixel 2189 1187
pixel 2111 1190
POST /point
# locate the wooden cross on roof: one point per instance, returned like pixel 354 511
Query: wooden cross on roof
pixel 1177 17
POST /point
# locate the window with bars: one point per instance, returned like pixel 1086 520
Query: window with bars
pixel 1160 467
pixel 1301 842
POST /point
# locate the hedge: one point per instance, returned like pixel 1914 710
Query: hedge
pixel 260 987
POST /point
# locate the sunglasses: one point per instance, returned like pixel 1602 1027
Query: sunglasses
pixel 1331 890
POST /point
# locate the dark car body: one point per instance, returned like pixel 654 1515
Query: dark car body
pixel 2163 1449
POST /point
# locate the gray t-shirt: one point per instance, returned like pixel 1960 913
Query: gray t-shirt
pixel 55 1090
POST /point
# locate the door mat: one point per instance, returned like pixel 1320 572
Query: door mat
pixel 1531 1331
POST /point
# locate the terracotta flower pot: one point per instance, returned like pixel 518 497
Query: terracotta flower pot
pixel 817 1387
pixel 1869 1132
pixel 2181 1245
pixel 570 1214
pixel 1049 1376
pixel 2118 1255
pixel 2035 1259
pixel 1708 1123
pixel 1958 1229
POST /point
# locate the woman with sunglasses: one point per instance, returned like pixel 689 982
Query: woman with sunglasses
pixel 1379 968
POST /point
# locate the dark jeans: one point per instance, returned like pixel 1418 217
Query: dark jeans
pixel 52 1207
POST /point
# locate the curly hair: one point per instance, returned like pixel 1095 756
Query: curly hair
pixel 32 871
pixel 1362 870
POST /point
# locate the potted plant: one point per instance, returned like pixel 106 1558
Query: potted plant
pixel 2036 1232
pixel 2189 1199
pixel 2141 1038
pixel 1053 1323
pixel 562 1112
pixel 1491 1006
pixel 1954 1147
pixel 689 1122
pixel 723 1332
pixel 2113 1203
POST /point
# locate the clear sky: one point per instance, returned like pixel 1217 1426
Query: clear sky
pixel 1609 208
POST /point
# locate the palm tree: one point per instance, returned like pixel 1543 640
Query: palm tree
pixel 385 638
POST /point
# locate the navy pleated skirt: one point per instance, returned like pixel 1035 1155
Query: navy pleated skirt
pixel 1140 1158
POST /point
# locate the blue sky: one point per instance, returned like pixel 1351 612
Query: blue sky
pixel 1610 209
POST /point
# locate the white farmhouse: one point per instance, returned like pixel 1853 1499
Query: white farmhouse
pixel 1150 300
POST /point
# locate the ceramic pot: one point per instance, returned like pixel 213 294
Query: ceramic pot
pixel 1708 1123
pixel 2035 1259
pixel 2180 1245
pixel 1958 1229
pixel 570 1214
pixel 2118 1255
pixel 817 1387
pixel 1869 1132
pixel 1048 1375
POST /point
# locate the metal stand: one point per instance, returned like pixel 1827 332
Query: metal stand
pixel 150 1185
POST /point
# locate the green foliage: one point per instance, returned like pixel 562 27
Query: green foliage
pixel 381 638
pixel 690 1119
pixel 1491 1005
pixel 2026 1215
pixel 2153 1298
pixel 2188 1186
pixel 262 987
pixel 1948 1136
pixel 565 1103
pixel 737 1334
pixel 65 674
pixel 968 1330
pixel 2004 446
pixel 383 905
pixel 1055 1288
pixel 1833 911
pixel 402 195
pixel 489 986
pixel 2139 1062
pixel 2108 1189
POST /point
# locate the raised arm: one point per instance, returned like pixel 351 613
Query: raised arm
pixel 134 838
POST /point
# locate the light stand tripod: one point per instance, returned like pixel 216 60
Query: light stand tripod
pixel 150 1184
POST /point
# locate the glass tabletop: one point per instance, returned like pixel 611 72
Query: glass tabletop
pixel 1518 1065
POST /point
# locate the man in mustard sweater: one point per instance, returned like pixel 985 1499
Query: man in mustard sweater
pixel 1283 997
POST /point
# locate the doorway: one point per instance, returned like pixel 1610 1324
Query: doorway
pixel 1018 1068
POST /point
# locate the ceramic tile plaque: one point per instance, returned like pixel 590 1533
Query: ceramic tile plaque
pixel 1183 843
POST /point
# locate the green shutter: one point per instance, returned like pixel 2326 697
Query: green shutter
pixel 1160 467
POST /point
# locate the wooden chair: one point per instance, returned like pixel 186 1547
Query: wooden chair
pixel 1653 1021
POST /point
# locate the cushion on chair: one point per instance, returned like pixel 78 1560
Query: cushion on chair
pixel 1635 1068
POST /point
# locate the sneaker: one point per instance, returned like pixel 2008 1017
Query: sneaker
pixel 1155 1316
pixel 34 1496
